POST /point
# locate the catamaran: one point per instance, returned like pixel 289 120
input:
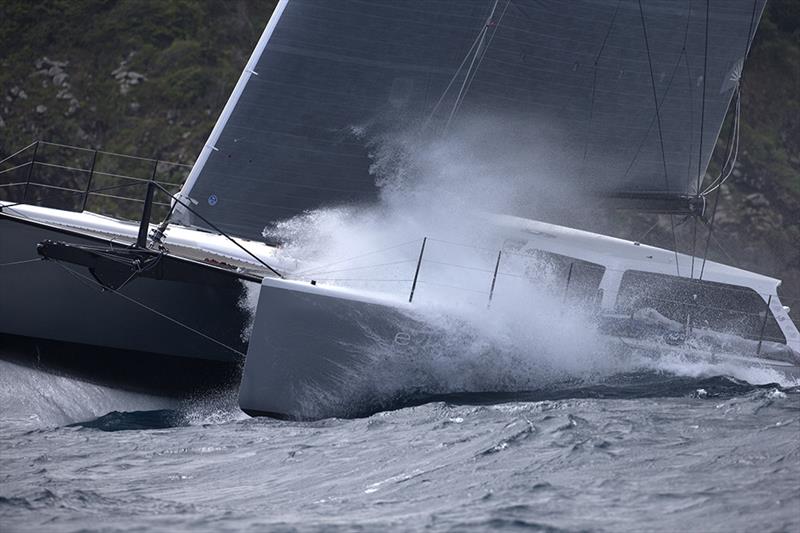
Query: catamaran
pixel 617 103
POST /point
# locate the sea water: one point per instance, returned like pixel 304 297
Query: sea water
pixel 653 450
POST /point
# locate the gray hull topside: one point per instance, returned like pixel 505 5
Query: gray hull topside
pixel 307 352
pixel 43 300
pixel 317 353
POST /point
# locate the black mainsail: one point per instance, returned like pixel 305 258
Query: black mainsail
pixel 636 90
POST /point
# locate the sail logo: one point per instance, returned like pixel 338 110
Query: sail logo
pixel 212 200
pixel 733 77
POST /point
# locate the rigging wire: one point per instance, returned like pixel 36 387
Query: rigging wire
pixel 15 168
pixel 219 231
pixel 464 245
pixel 644 138
pixel 655 95
pixel 702 127
pixel 646 233
pixel 703 102
pixel 690 92
pixel 150 159
pixel 455 76
pixel 364 266
pixel 717 184
pixel 694 245
pixel 17 153
pixel 660 132
pixel 24 261
pixel 477 58
pixel 733 151
pixel 481 38
pixel 722 248
pixel 481 53
pixel 594 82
pixel 675 245
pixel 464 267
pixel 710 231
pixel 448 286
pixel 328 265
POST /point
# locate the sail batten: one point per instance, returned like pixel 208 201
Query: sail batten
pixel 615 89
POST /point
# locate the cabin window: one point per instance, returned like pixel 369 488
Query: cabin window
pixel 575 281
pixel 705 304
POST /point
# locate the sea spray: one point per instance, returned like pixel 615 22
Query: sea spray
pixel 435 186
pixel 479 324
pixel 212 407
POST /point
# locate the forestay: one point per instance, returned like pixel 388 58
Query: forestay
pixel 625 96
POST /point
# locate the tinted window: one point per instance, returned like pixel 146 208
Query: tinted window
pixel 717 306
pixel 574 280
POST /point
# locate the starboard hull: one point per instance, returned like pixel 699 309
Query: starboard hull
pixel 314 352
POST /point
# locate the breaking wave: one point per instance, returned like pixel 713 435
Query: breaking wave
pixel 36 398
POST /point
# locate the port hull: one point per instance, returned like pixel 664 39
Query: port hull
pixel 59 302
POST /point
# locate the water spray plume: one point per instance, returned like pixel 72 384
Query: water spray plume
pixel 531 337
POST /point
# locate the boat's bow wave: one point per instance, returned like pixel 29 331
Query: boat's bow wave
pixel 508 378
pixel 634 385
pixel 52 400
pixel 629 386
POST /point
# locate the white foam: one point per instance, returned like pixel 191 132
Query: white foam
pixel 216 407
pixel 34 398
pixel 683 365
